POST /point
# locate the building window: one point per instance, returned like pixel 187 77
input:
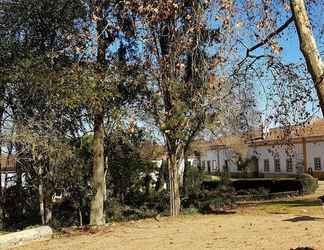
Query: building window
pixel 214 165
pixel 289 165
pixel 317 163
pixel 208 166
pixel 266 165
pixel 203 165
pixel 277 164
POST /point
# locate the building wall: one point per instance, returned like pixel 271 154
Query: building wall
pixel 217 158
pixel 281 152
pixel 315 149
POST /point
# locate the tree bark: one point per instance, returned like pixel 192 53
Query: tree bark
pixel 161 180
pixel 97 216
pixel 41 197
pixel 2 109
pixel 308 47
pixel 185 177
pixel 174 185
pixel 48 211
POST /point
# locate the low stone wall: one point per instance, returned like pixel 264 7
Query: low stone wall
pixel 25 236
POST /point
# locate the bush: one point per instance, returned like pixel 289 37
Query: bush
pixel 309 184
pixel 273 185
pixel 216 202
pixel 193 179
pixel 114 210
pixel 67 214
pixel 259 191
pixel 20 208
pixel 156 203
pixel 190 210
pixel 206 201
pixel 304 184
pixel 210 185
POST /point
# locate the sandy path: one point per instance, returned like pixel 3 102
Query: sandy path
pixel 200 232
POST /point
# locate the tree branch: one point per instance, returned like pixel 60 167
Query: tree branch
pixel 263 42
pixel 271 35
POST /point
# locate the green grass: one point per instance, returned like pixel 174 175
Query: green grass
pixel 265 179
pixel 211 178
pixel 309 206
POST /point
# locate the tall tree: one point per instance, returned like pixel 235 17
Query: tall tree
pixel 177 70
pixel 102 82
pixel 98 170
pixel 36 41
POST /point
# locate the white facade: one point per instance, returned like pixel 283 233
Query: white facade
pixel 215 160
pixel 315 150
pixel 287 158
pixel 272 159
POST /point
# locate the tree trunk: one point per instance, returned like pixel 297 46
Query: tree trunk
pixel 97 216
pixel 48 212
pixel 161 180
pixel 308 47
pixel 174 185
pixel 80 217
pixel 1 191
pixel 41 199
pixel 185 177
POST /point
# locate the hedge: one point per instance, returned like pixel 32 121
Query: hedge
pixel 304 184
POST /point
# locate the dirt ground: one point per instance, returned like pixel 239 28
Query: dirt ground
pixel 274 225
pixel 277 231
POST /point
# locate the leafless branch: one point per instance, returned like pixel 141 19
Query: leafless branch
pixel 263 42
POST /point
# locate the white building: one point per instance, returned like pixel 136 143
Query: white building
pixel 277 152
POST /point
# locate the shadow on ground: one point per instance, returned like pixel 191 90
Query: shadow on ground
pixel 303 218
pixel 302 248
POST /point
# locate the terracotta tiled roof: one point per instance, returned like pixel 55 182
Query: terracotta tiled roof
pixel 312 129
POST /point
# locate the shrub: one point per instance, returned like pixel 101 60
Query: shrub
pixel 209 201
pixel 304 184
pixel 273 185
pixel 156 203
pixel 216 202
pixel 190 210
pixel 211 185
pixel 194 178
pixel 114 210
pixel 20 208
pixel 258 191
pixel 309 184
pixel 68 213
